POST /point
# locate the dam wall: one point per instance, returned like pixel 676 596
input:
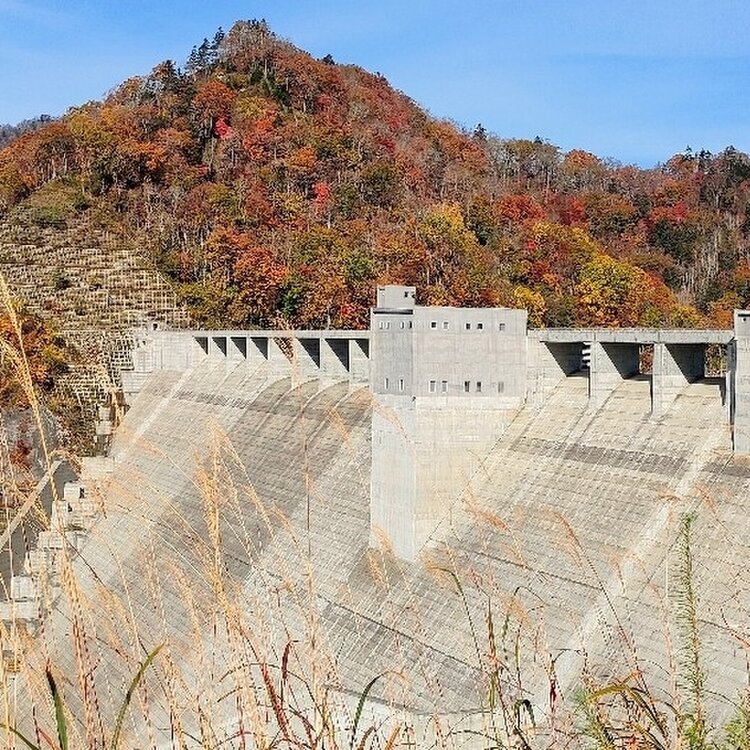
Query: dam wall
pixel 447 382
pixel 285 487
pixel 234 497
pixel 471 354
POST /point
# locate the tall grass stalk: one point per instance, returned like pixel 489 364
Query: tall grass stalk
pixel 249 665
pixel 693 675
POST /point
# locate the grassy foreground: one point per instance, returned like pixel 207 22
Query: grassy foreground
pixel 275 682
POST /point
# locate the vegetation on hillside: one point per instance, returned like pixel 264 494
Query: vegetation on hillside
pixel 31 357
pixel 276 188
pixel 9 133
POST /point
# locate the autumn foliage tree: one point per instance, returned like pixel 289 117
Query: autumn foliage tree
pixel 31 357
pixel 277 189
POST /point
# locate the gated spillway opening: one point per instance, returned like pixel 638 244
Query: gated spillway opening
pixel 340 355
pixel 569 358
pixel 668 367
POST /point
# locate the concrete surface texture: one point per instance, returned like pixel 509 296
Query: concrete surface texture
pixel 335 512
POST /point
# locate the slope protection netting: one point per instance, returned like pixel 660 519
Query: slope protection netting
pixel 95 288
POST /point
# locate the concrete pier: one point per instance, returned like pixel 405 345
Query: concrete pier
pixel 740 382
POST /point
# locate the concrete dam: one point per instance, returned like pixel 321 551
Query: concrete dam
pixel 369 496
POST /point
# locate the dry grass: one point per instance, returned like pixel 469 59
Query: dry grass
pixel 225 642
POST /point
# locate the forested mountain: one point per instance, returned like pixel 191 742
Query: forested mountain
pixel 9 133
pixel 277 189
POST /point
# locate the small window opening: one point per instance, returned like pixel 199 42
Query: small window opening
pixel 409 324
pixel 443 386
pixel 500 387
pixel 380 325
pixel 480 326
pixel 468 326
pixel 433 324
pixel 445 325
pixel 479 386
pixel 402 324
pixel 433 386
pixel 387 384
pixel 406 294
pixel 502 326
pixel 388 324
pixel 401 384
pixel 467 386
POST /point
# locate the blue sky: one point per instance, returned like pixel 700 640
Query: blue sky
pixel 634 80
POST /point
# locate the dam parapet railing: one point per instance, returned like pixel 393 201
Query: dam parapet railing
pixel 635 335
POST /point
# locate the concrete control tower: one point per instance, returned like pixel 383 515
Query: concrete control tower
pixel 446 382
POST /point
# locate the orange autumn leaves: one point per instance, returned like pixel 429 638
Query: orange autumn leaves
pixel 31 357
pixel 562 268
pixel 277 189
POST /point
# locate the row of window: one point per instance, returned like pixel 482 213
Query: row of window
pixel 433 386
pixel 386 324
pixel 479 326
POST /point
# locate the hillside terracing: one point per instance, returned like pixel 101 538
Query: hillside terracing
pixel 94 287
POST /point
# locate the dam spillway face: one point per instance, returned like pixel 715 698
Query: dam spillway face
pixel 269 503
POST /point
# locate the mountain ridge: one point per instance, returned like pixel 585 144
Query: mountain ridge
pixel 273 188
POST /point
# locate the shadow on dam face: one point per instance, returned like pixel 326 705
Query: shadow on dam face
pixel 569 357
